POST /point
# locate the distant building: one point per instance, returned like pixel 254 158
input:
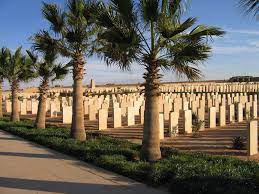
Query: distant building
pixel 244 79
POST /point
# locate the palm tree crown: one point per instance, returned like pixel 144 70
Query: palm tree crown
pixel 19 67
pixel 73 27
pixel 152 30
pixel 47 68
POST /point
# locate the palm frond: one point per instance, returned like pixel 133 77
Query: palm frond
pixel 32 55
pixel 125 9
pixel 185 58
pixel 75 14
pixel 103 15
pixel 175 8
pixel 250 6
pixel 54 15
pixel 168 28
pixel 149 10
pixel 43 42
pixel 5 57
pixel 202 31
pixel 60 72
pixel 119 43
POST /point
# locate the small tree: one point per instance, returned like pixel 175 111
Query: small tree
pixel 19 68
pixel 47 70
pixel 151 33
pixel 197 124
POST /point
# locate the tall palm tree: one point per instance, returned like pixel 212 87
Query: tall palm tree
pixel 150 33
pixel 75 29
pixel 47 70
pixel 250 6
pixel 3 61
pixel 18 69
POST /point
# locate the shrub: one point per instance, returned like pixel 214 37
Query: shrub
pixel 238 143
pixel 196 124
pixel 211 185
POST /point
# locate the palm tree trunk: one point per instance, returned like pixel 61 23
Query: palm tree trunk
pixel 1 99
pixel 41 114
pixel 15 102
pixel 151 142
pixel 78 128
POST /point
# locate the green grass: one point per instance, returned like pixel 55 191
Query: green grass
pixel 180 172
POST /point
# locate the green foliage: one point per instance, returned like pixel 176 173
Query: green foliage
pixel 196 124
pixel 47 68
pixel 72 27
pixel 151 33
pixel 238 143
pixel 182 172
pixel 18 67
pixel 4 59
pixel 212 185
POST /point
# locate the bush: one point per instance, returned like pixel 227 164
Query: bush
pixel 182 172
pixel 211 185
pixel 238 143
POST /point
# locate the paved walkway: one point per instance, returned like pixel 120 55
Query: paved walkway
pixel 27 168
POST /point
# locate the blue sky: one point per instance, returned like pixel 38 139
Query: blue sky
pixel 237 53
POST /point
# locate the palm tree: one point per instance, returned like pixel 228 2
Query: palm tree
pixel 75 29
pixel 250 6
pixel 3 61
pixel 47 70
pixel 150 33
pixel 17 69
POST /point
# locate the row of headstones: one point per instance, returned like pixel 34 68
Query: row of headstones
pixel 127 106
pixel 178 102
pixel 173 102
pixel 174 118
pixel 212 117
pixel 178 87
pixel 172 87
pixel 130 110
pixel 208 87
pixel 123 106
pixel 25 106
pixel 171 108
pixel 91 106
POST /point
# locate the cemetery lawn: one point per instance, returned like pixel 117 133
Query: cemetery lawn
pixel 179 172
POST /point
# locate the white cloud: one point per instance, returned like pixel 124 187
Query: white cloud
pixel 243 31
pixel 254 43
pixel 227 50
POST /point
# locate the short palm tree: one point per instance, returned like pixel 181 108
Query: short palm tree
pixel 18 69
pixel 75 29
pixel 150 33
pixel 47 70
pixel 3 61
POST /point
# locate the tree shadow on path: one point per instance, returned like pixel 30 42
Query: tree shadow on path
pixel 69 187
